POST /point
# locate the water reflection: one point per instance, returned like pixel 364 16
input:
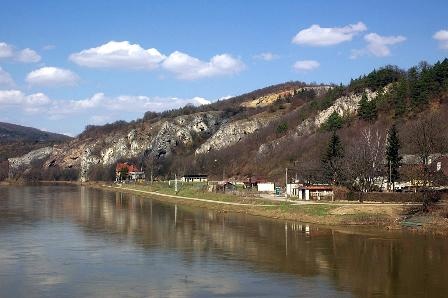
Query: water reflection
pixel 71 241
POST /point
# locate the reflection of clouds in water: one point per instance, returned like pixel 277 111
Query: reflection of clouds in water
pixel 30 253
pixel 50 280
pixel 7 258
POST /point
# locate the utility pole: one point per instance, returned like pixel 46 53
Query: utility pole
pixel 175 183
pixel 390 175
pixel 286 180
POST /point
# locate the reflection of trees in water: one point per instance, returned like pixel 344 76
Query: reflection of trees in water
pixel 389 263
pixel 397 264
pixel 31 204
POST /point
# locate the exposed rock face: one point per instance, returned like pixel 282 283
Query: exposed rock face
pixel 158 139
pixel 344 106
pixel 270 98
pixel 24 161
pixel 231 133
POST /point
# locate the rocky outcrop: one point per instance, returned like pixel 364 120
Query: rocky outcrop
pixel 344 106
pixel 25 161
pixel 231 133
pixel 159 140
pixel 270 98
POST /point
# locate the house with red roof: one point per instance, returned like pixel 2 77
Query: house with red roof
pixel 125 171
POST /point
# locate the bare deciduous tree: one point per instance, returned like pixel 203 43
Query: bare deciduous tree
pixel 364 160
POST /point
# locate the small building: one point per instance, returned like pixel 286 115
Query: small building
pixel 266 187
pixel 126 171
pixel 253 181
pixel 225 185
pixel 316 192
pixel 292 189
pixel 194 178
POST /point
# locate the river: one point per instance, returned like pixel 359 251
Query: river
pixel 73 241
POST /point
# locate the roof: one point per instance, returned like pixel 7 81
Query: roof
pixel 124 165
pixel 195 176
pixel 318 187
pixel 255 179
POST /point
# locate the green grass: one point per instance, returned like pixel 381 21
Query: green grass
pixel 196 190
pixel 313 210
pixel 318 210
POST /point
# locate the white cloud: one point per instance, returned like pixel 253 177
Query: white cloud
pixel 99 119
pixel 306 65
pixel 123 55
pixel 442 37
pixel 52 76
pixel 321 36
pixel 11 97
pixel 380 45
pixel 99 103
pixel 201 101
pixel 29 103
pixel 97 109
pixel 118 54
pixel 6 79
pixel 267 56
pixel 186 67
pixel 6 50
pixel 37 99
pixel 28 56
pixel 377 45
pixel 49 47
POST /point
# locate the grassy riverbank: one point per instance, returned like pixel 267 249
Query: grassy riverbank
pixel 321 213
pixel 394 216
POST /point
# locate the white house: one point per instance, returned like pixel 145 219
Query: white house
pixel 194 178
pixel 266 187
pixel 292 189
pixel 315 192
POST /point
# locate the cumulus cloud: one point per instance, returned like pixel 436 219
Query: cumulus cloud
pixel 327 36
pixel 28 56
pixel 97 109
pixel 25 56
pixel 123 55
pixel 6 50
pixel 380 45
pixel 52 76
pixel 306 65
pixel 98 104
pixel 186 67
pixel 6 79
pixel 125 103
pixel 118 54
pixel 442 37
pixel 29 103
pixel 377 45
pixel 267 56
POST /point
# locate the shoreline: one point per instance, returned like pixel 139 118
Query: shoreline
pixel 389 216
pixel 321 213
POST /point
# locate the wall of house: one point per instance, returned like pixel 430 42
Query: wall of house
pixel 266 187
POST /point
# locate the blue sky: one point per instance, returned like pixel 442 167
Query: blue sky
pixel 66 64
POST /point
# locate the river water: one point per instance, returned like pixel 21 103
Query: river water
pixel 70 241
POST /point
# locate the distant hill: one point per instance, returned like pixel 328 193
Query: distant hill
pixel 16 140
pixel 13 132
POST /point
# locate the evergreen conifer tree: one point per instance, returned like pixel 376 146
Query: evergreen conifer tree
pixel 393 155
